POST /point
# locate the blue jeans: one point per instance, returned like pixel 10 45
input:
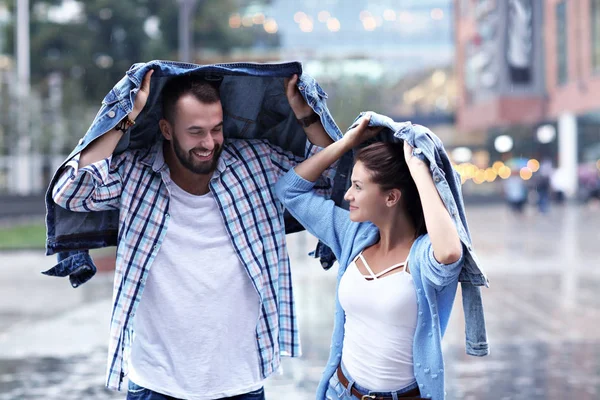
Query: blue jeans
pixel 337 391
pixel 137 392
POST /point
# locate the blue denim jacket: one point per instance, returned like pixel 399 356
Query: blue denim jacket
pixel 254 105
pixel 429 148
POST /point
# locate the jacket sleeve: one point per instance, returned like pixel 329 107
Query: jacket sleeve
pixel 283 161
pixel 95 187
pixel 438 274
pixel 321 217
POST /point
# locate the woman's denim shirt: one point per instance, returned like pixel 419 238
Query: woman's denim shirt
pixel 429 148
pixel 436 284
pixel 254 106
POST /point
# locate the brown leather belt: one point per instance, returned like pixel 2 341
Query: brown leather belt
pixel 413 394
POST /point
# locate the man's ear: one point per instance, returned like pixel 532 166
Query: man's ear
pixel 166 129
pixel 393 197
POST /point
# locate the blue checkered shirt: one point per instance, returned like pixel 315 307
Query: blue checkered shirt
pixel 243 188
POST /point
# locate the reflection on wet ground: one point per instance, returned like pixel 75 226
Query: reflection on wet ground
pixel 542 313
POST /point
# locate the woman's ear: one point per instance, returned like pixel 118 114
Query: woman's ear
pixel 393 197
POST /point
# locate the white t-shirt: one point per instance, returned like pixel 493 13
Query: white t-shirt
pixel 195 326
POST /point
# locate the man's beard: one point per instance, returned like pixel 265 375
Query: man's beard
pixel 188 160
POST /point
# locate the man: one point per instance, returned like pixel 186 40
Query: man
pixel 202 274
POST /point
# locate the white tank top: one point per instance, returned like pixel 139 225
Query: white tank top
pixel 381 318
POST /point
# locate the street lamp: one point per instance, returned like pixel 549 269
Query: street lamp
pixel 546 133
pixel 186 38
pixel 503 144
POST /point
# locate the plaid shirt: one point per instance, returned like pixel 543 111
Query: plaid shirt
pixel 242 185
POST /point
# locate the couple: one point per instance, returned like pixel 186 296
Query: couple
pixel 202 303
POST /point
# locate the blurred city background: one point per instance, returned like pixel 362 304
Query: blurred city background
pixel 510 86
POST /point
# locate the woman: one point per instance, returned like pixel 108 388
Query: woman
pixel 399 255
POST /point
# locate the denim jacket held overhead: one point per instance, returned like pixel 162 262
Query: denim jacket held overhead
pixel 254 106
pixel 428 147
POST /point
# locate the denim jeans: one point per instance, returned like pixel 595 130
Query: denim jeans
pixel 137 392
pixel 337 391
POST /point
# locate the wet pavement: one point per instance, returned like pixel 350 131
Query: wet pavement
pixel 542 312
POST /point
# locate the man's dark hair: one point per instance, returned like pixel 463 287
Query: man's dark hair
pixel 205 91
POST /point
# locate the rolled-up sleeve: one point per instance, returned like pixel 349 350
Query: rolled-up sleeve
pixel 95 187
pixel 440 275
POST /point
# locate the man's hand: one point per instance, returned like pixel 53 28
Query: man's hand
pixel 299 106
pixel 141 96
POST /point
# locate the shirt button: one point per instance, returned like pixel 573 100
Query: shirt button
pixel 111 114
pixel 80 141
pixel 418 150
pixel 437 179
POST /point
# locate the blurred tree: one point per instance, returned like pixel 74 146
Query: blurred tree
pixel 350 96
pixel 94 42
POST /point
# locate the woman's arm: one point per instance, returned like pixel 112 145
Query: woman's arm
pixel 321 217
pixel 312 168
pixel 447 248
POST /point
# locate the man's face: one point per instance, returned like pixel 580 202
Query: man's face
pixel 197 134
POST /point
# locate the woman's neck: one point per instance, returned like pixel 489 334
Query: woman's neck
pixel 395 232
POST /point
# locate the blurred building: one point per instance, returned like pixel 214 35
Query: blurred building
pixel 528 72
pixel 360 51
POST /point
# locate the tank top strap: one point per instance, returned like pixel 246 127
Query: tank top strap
pixel 362 258
pixel 393 267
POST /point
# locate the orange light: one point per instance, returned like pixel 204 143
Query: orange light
pixel 323 16
pixel 479 177
pixel 333 24
pixel 525 173
pixel 369 24
pixel 533 165
pixel 270 26
pixel 258 19
pixel 504 172
pixel 299 17
pixel 497 165
pixel 235 21
pixel 490 175
pixel 247 21
pixel 364 14
pixel 306 25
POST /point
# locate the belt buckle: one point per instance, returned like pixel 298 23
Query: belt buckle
pixel 368 396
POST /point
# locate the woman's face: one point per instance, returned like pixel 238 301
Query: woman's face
pixel 367 201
